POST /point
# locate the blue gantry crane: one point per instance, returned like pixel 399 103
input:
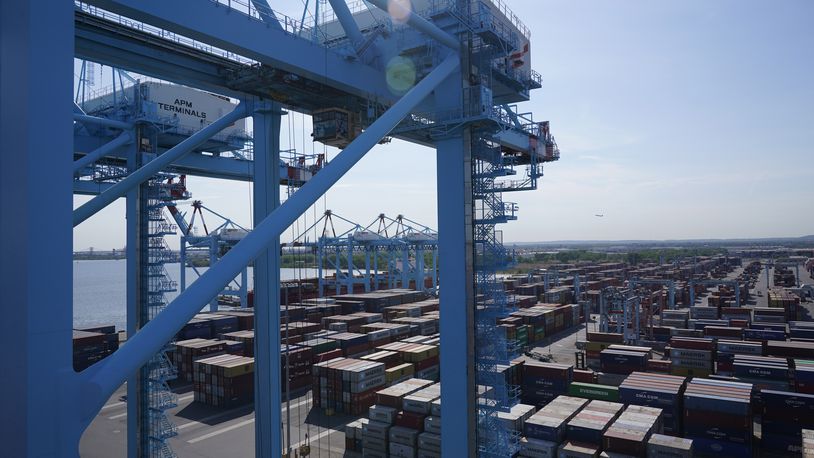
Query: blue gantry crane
pixel 393 251
pixel 731 283
pixel 446 74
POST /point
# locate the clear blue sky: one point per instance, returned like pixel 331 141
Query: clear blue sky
pixel 680 119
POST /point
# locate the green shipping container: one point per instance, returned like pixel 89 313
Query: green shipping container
pixel 594 391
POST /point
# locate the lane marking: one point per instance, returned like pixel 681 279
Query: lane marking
pixel 221 431
pixel 113 404
pixel 239 425
pixel 314 439
pixel 203 421
pixel 114 417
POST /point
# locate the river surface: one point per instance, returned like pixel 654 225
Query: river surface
pixel 100 289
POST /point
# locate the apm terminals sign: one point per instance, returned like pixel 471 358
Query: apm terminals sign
pixel 181 106
pixel 192 108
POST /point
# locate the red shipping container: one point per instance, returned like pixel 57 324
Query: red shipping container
pixel 582 376
pixel 692 343
pixel 328 355
pixel 356 349
pixel 664 366
pixel 738 323
pixel 429 362
pixel 410 420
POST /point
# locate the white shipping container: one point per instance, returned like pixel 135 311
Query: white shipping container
pixel 429 441
pixel 432 424
pixel 536 448
pixel 376 429
pixel 371 453
pixel 401 450
pixel 435 409
pixel 374 444
pixel 660 446
pixel 382 413
pixel 194 109
pixel 405 436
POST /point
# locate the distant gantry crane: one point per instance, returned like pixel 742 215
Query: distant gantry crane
pixel 393 254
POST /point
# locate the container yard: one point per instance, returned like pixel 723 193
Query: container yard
pixel 245 317
pixel 696 390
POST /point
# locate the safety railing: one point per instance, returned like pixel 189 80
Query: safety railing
pixel 308 30
pixel 501 6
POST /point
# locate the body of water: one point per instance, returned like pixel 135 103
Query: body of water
pixel 100 289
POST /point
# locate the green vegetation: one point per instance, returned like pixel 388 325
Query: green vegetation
pixel 310 260
pixel 634 257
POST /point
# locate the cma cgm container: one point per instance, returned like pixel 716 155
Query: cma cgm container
pixel 623 362
pixel 784 417
pixel 804 376
pixel 542 382
pixel 656 390
pixel 718 417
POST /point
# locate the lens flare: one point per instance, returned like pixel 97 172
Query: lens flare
pixel 399 10
pixel 401 75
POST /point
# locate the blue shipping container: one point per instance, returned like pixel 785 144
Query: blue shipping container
pixel 763 334
pixel 762 371
pixel 708 447
pixel 788 445
pixel 712 403
pixel 734 435
pixel 795 407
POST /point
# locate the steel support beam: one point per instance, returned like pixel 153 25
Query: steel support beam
pixel 347 22
pixel 88 159
pixel 455 249
pixel 418 23
pixel 39 386
pixel 87 119
pixel 136 265
pixel 223 167
pixel 266 13
pixel 228 29
pixel 268 420
pixel 156 165
pixel 102 379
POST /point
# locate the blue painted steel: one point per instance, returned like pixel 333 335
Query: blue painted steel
pixel 266 13
pixel 267 280
pixel 85 119
pixel 231 168
pixel 349 25
pixel 233 31
pixel 455 249
pixel 39 397
pixel 456 323
pixel 419 23
pixel 108 374
pixel 123 139
pixel 156 165
pixel 133 215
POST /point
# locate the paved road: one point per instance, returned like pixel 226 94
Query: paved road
pixel 205 431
